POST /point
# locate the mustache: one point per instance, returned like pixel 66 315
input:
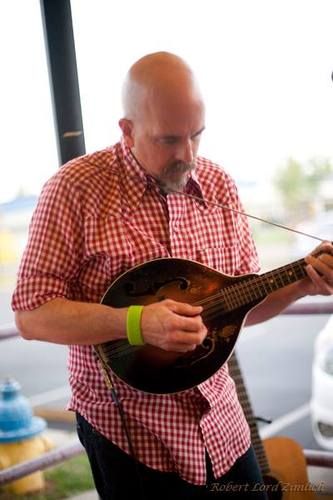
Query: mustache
pixel 174 176
pixel 179 167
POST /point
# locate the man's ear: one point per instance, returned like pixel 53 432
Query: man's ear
pixel 127 130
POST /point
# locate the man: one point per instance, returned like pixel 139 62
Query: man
pixel 106 212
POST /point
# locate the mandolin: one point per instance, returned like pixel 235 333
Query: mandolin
pixel 281 459
pixel 226 301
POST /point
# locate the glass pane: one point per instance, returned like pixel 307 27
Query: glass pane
pixel 28 148
pixel 265 71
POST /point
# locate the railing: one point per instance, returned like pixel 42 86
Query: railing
pixel 319 458
pixel 51 458
pixel 313 458
pixel 9 331
pixel 46 460
pixel 310 308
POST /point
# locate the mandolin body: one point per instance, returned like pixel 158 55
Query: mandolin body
pixel 153 370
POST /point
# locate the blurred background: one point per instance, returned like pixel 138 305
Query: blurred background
pixel 265 72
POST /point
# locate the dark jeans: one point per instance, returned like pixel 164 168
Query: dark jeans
pixel 118 477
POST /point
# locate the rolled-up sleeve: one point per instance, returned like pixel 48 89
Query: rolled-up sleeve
pixel 55 246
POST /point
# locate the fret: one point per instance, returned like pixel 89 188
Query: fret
pixel 259 287
pixel 257 290
pixel 301 270
pixel 270 283
pixel 248 289
pixel 230 301
pixel 279 280
pixel 289 276
pixel 261 290
pixel 285 275
pixel 243 294
pixel 233 299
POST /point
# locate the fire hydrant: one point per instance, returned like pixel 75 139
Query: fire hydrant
pixel 20 437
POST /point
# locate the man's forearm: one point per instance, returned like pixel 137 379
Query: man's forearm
pixel 67 322
pixel 275 303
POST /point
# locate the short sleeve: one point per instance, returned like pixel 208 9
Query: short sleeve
pixel 54 249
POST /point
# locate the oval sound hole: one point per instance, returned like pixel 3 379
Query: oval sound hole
pixel 272 488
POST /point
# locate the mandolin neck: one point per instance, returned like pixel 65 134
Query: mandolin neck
pixel 273 280
pixel 256 287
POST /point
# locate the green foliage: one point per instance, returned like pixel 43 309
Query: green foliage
pixel 70 478
pixel 298 184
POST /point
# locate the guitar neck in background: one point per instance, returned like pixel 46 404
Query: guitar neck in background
pixel 235 373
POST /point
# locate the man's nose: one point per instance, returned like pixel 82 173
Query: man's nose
pixel 186 154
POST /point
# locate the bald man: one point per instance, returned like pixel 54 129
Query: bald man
pixel 106 212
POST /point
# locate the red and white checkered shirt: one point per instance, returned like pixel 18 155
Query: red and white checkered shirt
pixel 97 217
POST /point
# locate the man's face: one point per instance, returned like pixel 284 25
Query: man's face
pixel 165 140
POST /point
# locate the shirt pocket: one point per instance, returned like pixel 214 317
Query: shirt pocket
pixel 112 247
pixel 224 259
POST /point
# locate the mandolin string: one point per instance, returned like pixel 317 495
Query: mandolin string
pixel 210 312
pixel 257 285
pixel 213 305
pixel 107 349
pixel 233 293
pixel 118 351
pixel 237 293
pixel 212 309
pixel 257 280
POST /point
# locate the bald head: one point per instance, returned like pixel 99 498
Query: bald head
pixel 158 79
pixel 164 118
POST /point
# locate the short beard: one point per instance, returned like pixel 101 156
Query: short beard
pixel 174 177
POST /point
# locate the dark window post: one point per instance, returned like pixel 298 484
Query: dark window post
pixel 60 48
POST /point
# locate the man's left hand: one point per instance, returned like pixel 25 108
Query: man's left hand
pixel 320 271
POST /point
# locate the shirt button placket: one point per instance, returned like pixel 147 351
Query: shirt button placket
pixel 174 226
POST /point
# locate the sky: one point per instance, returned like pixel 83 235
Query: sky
pixel 264 68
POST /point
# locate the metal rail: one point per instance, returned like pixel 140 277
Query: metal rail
pixel 310 308
pixel 319 458
pixel 10 330
pixel 45 461
pixel 54 457
pixel 70 139
pixel 51 458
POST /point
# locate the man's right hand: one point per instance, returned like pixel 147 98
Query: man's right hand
pixel 173 326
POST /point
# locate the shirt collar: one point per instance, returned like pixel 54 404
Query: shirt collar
pixel 194 187
pixel 136 180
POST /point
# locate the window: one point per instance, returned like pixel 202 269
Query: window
pixel 28 148
pixel 264 68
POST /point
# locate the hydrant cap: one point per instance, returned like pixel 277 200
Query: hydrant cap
pixel 16 419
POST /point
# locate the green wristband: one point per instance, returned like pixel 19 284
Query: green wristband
pixel 133 325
